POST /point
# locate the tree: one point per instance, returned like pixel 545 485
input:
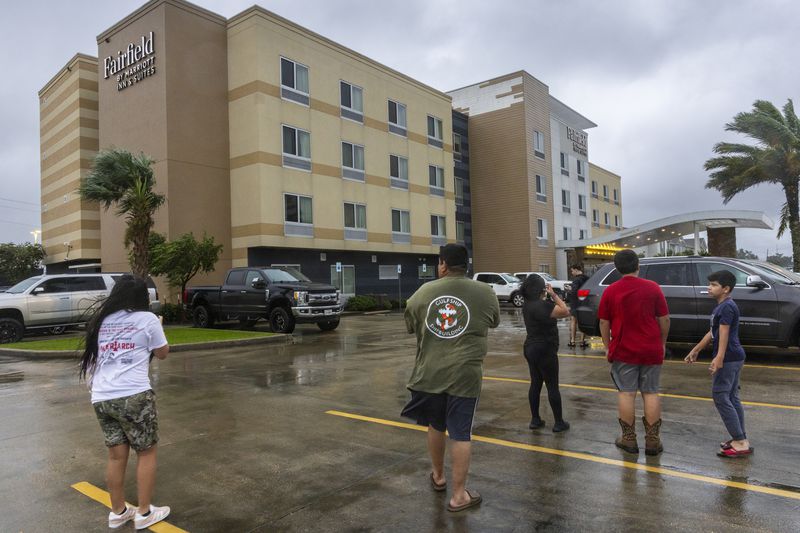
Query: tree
pixel 121 178
pixel 774 159
pixel 741 253
pixel 20 261
pixel 780 260
pixel 180 260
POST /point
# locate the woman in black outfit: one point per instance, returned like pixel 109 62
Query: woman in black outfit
pixel 541 347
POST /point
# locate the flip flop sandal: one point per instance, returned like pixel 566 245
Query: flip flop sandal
pixel 436 486
pixel 730 453
pixel 725 445
pixel 571 344
pixel 474 499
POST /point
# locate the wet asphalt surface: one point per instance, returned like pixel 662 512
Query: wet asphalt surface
pixel 246 444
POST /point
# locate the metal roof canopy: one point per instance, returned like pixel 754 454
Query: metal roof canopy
pixel 675 226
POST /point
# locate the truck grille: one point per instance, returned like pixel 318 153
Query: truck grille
pixel 322 299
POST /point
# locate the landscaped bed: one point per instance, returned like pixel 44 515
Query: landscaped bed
pixel 175 336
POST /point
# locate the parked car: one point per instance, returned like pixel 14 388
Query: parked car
pixel 282 296
pixel 768 298
pixel 505 286
pixel 55 302
pixel 560 286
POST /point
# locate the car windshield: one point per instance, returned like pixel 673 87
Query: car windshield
pixel 509 278
pixel 773 273
pixel 546 276
pixel 22 286
pixel 280 275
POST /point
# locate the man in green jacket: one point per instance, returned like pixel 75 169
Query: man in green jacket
pixel 451 318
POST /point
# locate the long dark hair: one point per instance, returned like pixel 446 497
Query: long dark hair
pixel 532 287
pixel 129 294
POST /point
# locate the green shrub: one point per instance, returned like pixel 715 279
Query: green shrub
pixel 361 303
pixel 172 313
pixel 398 304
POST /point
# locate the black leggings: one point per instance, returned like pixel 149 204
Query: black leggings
pixel 542 361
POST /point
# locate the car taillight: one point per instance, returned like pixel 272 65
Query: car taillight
pixel 582 294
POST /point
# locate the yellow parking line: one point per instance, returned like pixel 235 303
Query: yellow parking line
pixel 99 495
pixel 673 361
pixel 663 395
pixel 588 457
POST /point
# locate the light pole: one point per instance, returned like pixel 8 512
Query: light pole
pixel 36 234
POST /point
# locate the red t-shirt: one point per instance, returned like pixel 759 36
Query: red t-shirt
pixel 632 305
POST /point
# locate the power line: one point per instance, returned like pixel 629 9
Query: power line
pixel 19 201
pixel 28 209
pixel 17 223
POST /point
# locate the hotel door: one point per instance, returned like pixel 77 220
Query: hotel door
pixel 345 280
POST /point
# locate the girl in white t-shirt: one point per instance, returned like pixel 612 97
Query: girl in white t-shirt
pixel 120 339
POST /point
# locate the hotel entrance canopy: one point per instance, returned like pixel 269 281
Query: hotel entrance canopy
pixel 670 228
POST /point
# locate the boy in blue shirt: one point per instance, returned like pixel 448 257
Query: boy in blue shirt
pixel 727 362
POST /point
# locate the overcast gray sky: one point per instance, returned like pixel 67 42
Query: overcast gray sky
pixel 659 77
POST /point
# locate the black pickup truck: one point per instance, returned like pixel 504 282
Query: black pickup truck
pixel 283 296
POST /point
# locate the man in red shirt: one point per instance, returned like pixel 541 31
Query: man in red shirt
pixel 634 322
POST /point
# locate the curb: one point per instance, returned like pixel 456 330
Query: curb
pixel 70 354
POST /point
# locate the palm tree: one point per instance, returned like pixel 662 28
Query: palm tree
pixel 775 159
pixel 122 178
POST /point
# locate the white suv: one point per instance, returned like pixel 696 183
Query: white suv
pixel 54 302
pixel 504 285
pixel 560 287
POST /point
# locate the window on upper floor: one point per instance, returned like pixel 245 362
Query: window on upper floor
pixel 298 209
pixel 460 190
pixel 538 144
pixel 401 221
pixel 541 188
pixel 436 180
pixel 352 161
pixel 438 224
pixel 435 132
pixel 352 103
pixel 457 147
pixel 355 216
pixel 294 81
pixel 296 148
pixel 398 171
pixel 397 118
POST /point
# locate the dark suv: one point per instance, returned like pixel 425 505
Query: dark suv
pixel 768 298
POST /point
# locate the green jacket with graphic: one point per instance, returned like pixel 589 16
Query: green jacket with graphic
pixel 451 318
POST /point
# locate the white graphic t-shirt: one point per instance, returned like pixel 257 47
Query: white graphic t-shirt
pixel 123 358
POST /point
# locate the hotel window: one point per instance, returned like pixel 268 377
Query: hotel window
pixel 606 219
pixel 581 170
pixel 296 148
pixel 541 231
pixel 595 217
pixel 294 81
pixel 594 189
pixel 456 147
pixel 605 192
pixel 541 188
pixel 401 226
pixel 582 234
pixel 398 172
pixel 355 221
pixel 567 234
pixel 538 144
pixel 564 164
pixel 616 197
pixel 461 231
pixel 436 180
pixel 397 118
pixel 460 185
pixel 582 205
pixel 616 221
pixel 435 135
pixel 565 204
pixel 352 101
pixel 352 161
pixel 544 267
pixel 298 215
pixel 438 230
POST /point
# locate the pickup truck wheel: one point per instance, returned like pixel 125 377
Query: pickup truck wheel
pixel 517 299
pixel 10 330
pixel 281 320
pixel 202 317
pixel 330 325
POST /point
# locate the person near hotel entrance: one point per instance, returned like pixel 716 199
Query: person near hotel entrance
pixel 726 364
pixel 578 279
pixel 634 323
pixel 450 318
pixel 120 338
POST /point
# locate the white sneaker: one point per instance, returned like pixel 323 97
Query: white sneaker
pixel 157 514
pixel 118 520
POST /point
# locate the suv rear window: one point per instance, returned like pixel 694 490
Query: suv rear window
pixel 676 274
pixel 88 283
pixel 612 276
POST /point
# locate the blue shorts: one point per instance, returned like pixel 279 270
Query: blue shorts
pixel 443 412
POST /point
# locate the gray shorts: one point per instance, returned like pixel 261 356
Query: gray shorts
pixel 630 378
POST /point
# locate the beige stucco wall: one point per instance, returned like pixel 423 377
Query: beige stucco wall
pixel 256 41
pixel 612 181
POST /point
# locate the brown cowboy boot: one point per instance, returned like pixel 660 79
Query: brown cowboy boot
pixel 627 441
pixel 652 440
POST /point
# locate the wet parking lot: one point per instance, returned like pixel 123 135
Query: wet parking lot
pixel 307 436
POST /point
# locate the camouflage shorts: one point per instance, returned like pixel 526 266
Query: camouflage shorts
pixel 130 420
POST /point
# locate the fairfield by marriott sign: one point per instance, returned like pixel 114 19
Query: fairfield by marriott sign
pixel 133 64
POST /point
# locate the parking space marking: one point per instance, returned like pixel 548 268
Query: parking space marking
pixel 662 394
pixel 101 496
pixel 588 457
